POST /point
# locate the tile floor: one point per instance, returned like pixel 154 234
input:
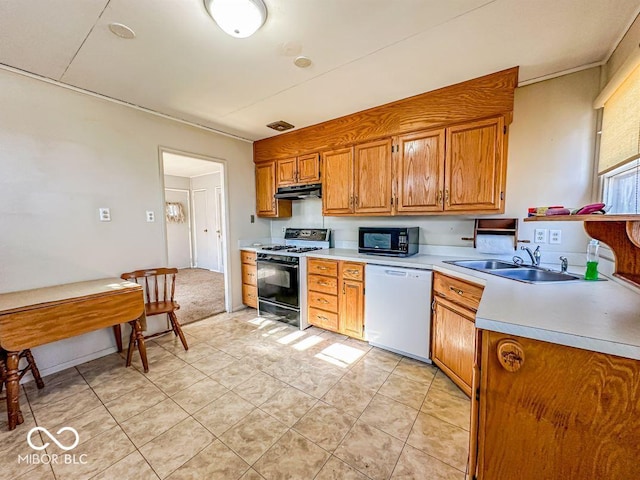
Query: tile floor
pixel 251 399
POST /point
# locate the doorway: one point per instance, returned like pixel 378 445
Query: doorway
pixel 195 229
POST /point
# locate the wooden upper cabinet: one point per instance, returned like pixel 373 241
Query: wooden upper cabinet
pixel 309 168
pixel 337 182
pixel 300 170
pixel 287 171
pixel 373 178
pixel 419 172
pixel 266 204
pixel 474 166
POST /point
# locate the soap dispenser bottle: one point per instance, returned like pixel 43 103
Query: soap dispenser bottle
pixel 592 261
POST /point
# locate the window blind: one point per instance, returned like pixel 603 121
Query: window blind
pixel 620 141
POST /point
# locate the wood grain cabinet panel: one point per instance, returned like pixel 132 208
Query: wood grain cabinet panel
pixel 373 178
pixel 337 182
pixel 453 337
pixel 249 278
pixel 474 167
pixel 419 172
pixel 266 204
pixel 566 413
pixel 300 170
pixel 335 294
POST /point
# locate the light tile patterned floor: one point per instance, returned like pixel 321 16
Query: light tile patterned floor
pixel 251 399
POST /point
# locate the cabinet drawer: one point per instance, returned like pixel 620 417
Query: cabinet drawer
pixel 323 301
pixel 353 271
pixel 249 274
pixel 323 319
pixel 250 295
pixel 323 267
pixel 457 291
pixel 318 283
pixel 248 257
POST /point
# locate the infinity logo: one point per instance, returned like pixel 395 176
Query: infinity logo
pixel 53 439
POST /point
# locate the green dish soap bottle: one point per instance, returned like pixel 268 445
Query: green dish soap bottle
pixel 592 261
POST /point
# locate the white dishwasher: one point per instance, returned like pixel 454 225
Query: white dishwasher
pixel 398 309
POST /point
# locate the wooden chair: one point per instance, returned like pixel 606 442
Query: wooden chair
pixel 159 287
pixel 30 366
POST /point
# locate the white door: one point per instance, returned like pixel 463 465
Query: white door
pixel 219 224
pixel 204 227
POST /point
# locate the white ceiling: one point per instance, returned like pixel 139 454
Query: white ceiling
pixel 182 166
pixel 364 52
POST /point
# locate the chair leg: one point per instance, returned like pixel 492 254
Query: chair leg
pixel 34 368
pixel 177 329
pixel 137 329
pixel 132 342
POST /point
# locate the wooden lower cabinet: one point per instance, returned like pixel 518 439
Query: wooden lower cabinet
pixel 249 278
pixel 335 295
pixel 548 411
pixel 453 327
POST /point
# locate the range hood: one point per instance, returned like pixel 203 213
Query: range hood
pixel 298 192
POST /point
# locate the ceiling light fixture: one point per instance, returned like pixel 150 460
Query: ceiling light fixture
pixel 238 18
pixel 302 61
pixel 122 31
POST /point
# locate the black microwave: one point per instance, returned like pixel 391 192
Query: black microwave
pixel 392 241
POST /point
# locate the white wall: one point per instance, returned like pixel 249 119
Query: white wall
pixel 63 155
pixel 179 234
pixel 550 162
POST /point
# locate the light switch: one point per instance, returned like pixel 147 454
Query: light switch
pixel 151 216
pixel 105 214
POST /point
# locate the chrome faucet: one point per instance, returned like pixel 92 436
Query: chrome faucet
pixel 535 255
pixel 564 264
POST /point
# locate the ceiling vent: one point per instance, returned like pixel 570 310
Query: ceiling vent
pixel 280 126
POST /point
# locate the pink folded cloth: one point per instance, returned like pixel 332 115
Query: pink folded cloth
pixel 558 211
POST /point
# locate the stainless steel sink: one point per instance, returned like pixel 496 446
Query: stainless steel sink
pixel 536 275
pixel 521 273
pixel 483 264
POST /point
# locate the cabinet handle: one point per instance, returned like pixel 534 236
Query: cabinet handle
pixel 439 196
pixel 322 317
pixel 344 291
pixel 446 196
pixel 355 201
pixel 510 355
pixel 352 272
pixel 321 300
pixel 456 290
pixel 324 284
pixel 321 268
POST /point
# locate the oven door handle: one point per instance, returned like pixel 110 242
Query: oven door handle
pixel 270 262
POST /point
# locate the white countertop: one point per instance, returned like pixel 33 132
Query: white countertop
pixel 598 316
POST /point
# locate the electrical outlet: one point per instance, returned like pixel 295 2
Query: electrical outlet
pixel 555 236
pixel 105 214
pixel 151 216
pixel 284 229
pixel 540 235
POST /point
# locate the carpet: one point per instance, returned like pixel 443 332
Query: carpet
pixel 200 294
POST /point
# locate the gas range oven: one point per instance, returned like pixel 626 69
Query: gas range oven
pixel 281 273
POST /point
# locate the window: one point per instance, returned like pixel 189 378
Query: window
pixel 619 161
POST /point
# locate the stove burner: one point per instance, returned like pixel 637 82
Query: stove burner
pixel 276 247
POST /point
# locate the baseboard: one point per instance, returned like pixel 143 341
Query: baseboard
pixel 72 363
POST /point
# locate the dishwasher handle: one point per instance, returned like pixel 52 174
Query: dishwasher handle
pixel 395 273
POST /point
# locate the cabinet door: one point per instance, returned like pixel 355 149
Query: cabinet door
pixel 373 178
pixel 287 172
pixel 337 182
pixel 453 342
pixel 474 169
pixel 565 413
pixel 420 172
pixel 309 168
pixel 266 204
pixel 352 308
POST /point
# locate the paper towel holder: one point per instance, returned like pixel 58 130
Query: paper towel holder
pixel 496 226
